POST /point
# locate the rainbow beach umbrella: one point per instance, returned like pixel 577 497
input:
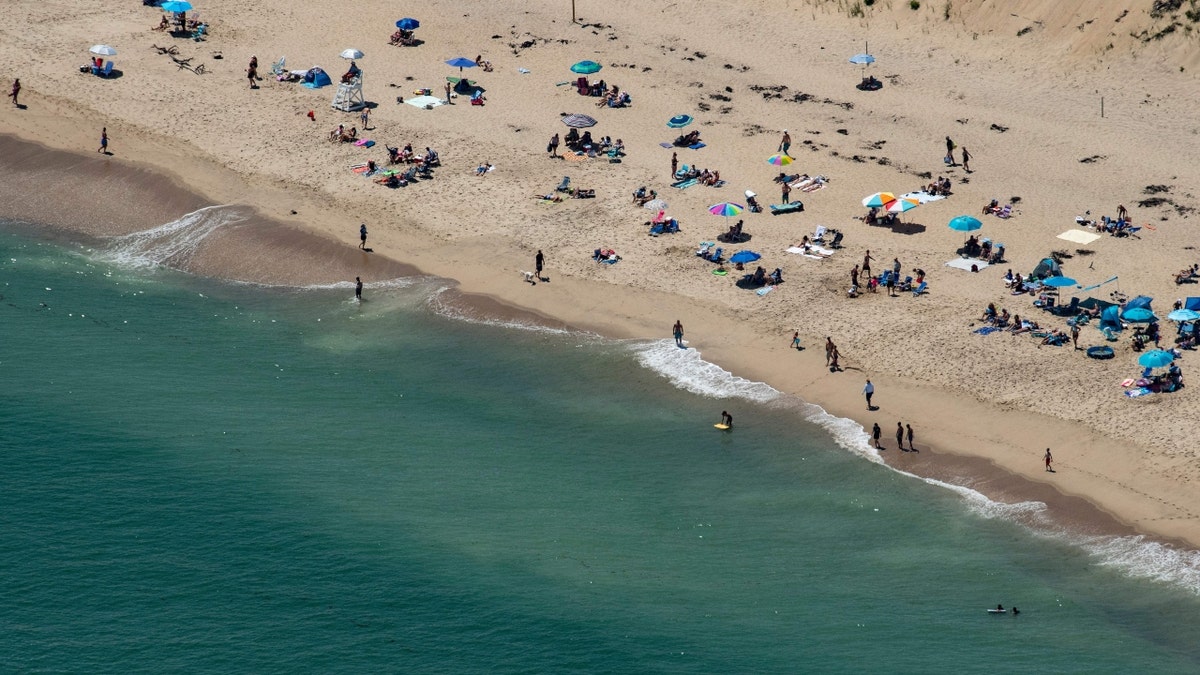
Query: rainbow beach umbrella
pixel 726 209
pixel 779 160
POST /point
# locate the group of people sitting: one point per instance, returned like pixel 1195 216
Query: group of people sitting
pixel 486 66
pixel 340 134
pixel 734 235
pixel 1020 285
pixel 405 155
pixel 615 98
pixel 687 139
pixel 983 249
pixel 585 143
pixel 1187 275
pixel 641 196
pixel 593 88
pixel 605 255
pixel 872 218
pixel 403 38
pixel 759 277
pixel 941 187
pixel 993 208
pixel 1172 380
pixel 702 176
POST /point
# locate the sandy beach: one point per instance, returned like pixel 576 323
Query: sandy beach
pixel 1022 87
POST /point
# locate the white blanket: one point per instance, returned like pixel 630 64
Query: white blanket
pixel 1079 236
pixel 965 263
pixel 422 101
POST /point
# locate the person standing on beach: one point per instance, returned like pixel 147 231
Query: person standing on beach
pixel 677 331
pixel 103 141
pixel 358 288
pixel 796 340
pixel 900 435
pixel 538 261
pixel 786 191
pixel 966 160
pixel 869 391
pixel 1049 458
pixel 866 266
pixel 1122 213
pixel 674 163
pixel 448 99
pixel 1075 336
pixel 15 92
pixel 252 72
pixel 552 147
pixel 785 144
pixel 365 117
pixel 362 236
pixel 950 151
pixel 876 432
pixel 896 269
pixel 854 276
pixel 908 432
pixel 829 347
pixel 833 360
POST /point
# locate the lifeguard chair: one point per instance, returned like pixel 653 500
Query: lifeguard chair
pixel 349 96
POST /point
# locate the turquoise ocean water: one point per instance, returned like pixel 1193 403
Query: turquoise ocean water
pixel 212 477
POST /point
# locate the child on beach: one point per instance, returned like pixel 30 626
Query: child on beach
pixel 15 92
pixel 103 141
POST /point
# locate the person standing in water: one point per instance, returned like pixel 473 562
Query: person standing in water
pixel 362 236
pixel 876 432
pixel 677 331
pixel 358 288
pixel 726 419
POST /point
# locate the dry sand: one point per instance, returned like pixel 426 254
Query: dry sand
pixel 1019 85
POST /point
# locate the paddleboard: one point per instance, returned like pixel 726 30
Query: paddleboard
pixel 997 611
pixel 722 427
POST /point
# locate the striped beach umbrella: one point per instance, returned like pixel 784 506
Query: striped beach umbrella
pixel 879 200
pixel 779 160
pixel 726 209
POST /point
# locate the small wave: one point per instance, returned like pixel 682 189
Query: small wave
pixel 172 243
pixel 687 370
pixel 438 305
pixel 1143 558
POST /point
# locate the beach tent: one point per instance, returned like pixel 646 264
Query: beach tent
pixel 1111 318
pixel 1192 303
pixel 315 77
pixel 1142 301
pixel 1047 268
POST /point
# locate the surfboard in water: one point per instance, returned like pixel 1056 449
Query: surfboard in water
pixel 722 427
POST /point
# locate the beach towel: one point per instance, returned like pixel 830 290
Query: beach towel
pixel 791 207
pixel 965 263
pixel 523 71
pixel 574 157
pixel 800 251
pixel 922 196
pixel 764 290
pixel 986 330
pixel 666 145
pixel 696 146
pixel 423 101
pixel 1127 383
pixel 364 143
pixel 1138 393
pixel 685 184
pixel 1079 236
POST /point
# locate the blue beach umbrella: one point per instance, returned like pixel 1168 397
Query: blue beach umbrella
pixel 1139 315
pixel 744 257
pixel 1182 315
pixel 586 67
pixel 1059 282
pixel 408 24
pixel 679 121
pixel 176 6
pixel 1156 359
pixel 460 63
pixel 965 223
pixel 862 59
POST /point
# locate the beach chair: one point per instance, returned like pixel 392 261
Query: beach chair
pixel 920 288
pixel 790 207
pixel 819 234
pixel 107 70
pixel 1005 212
pixel 409 176
pixel 582 86
pixel 837 240
pixel 278 68
pixel 715 256
pixel 683 171
pixel 565 185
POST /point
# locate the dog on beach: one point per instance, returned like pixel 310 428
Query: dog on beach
pixel 528 276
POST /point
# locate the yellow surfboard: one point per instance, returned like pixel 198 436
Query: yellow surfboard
pixel 722 427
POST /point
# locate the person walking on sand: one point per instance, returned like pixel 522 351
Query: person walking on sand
pixel 785 143
pixel 796 340
pixel 15 92
pixel 1075 336
pixel 677 331
pixel 908 432
pixel 252 72
pixel 365 118
pixel 103 141
pixel 966 160
pixel 866 266
pixel 358 288
pixel 950 151
pixel 900 435
pixel 829 347
pixel 1049 458
pixel 552 147
pixel 538 261
pixel 674 163
pixel 876 432
pixel 362 236
pixel 869 391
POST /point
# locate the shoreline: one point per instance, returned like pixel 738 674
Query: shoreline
pixel 224 257
pixel 997 399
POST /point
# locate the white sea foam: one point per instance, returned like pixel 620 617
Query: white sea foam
pixel 172 243
pixel 438 305
pixel 1143 558
pixel 687 370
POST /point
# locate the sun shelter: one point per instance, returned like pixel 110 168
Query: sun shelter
pixel 1047 268
pixel 1192 303
pixel 1110 318
pixel 315 78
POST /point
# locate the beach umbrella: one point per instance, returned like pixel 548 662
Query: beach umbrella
pixel 586 67
pixel 656 205
pixel 1139 315
pixel 408 24
pixel 726 209
pixel 1182 315
pixel 879 200
pixel 1059 282
pixel 965 223
pixel 351 54
pixel 460 63
pixel 862 59
pixel 579 121
pixel 176 6
pixel 1156 359
pixel 779 160
pixel 103 50
pixel 902 204
pixel 679 121
pixel 744 257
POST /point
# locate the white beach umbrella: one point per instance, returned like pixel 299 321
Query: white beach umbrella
pixel 103 50
pixel 352 54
